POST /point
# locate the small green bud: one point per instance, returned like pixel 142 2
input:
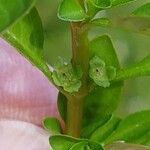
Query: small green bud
pixel 67 76
pixel 100 73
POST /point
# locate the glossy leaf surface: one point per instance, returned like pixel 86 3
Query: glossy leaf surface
pixel 27 37
pixel 10 11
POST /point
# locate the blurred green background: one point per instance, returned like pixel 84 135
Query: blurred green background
pixel 130 47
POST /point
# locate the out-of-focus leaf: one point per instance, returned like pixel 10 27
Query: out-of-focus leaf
pixel 52 125
pixel 89 129
pixel 140 69
pixel 131 128
pixel 11 10
pixel 143 11
pixel 27 37
pixel 145 139
pixel 102 132
pixel 71 10
pixel 102 101
pixel 101 3
pixel 135 24
pixel 101 22
pixel 120 2
pixel 125 146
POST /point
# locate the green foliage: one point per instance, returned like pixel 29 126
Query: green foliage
pixel 64 142
pixel 99 73
pixel 71 10
pixel 103 132
pixel 101 22
pixel 67 76
pixel 143 11
pixel 140 69
pixel 10 11
pixel 103 101
pixel 52 125
pixel 120 2
pixel 102 4
pixel 132 128
pixel 100 88
pixel 138 21
pixel 90 128
pixel 27 36
pixel 125 146
pixel 62 106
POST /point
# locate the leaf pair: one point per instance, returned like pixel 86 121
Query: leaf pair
pixel 72 10
pixel 133 129
pixel 64 142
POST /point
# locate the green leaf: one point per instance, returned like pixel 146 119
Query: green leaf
pixel 11 10
pixel 125 146
pixel 131 128
pixel 27 36
pixel 79 146
pixel 103 4
pixel 52 125
pixel 101 22
pixel 102 132
pixel 143 11
pixel 120 2
pixel 62 105
pixel 62 142
pixel 111 72
pixel 144 140
pixel 71 10
pixel 102 101
pixel 140 69
pixel 67 76
pixel 90 128
pixel 135 24
pixel 138 22
pixel 94 145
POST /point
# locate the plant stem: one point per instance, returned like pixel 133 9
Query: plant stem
pixel 80 56
pixel 74 117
